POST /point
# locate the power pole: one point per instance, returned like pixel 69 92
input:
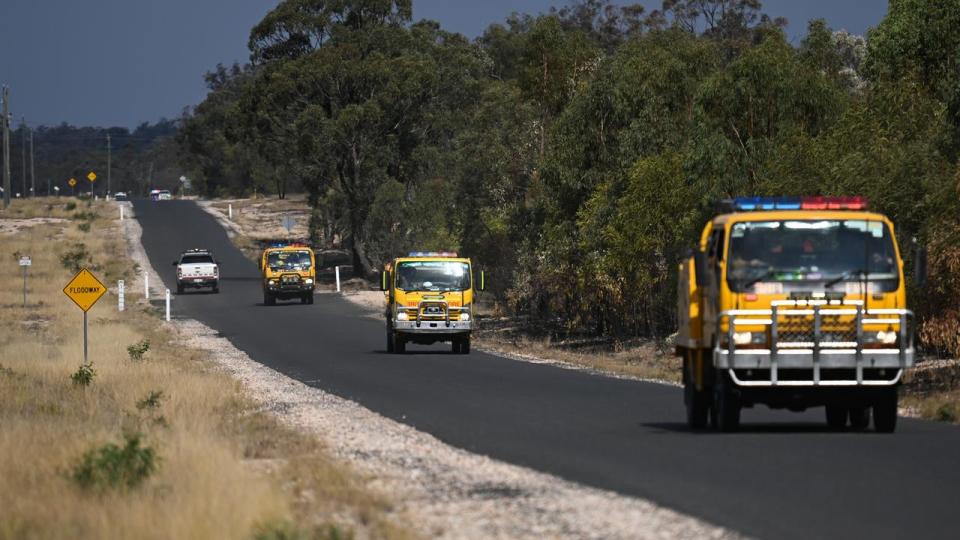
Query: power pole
pixel 23 155
pixel 6 146
pixel 33 177
pixel 108 164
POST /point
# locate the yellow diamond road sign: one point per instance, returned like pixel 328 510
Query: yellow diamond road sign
pixel 84 289
pixel 92 176
pixel 72 182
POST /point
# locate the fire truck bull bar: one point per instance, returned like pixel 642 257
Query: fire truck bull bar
pixel 820 353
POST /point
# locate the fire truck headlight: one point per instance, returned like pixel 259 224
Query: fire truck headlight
pixel 743 338
pixel 402 316
pixel 887 338
pixel 272 282
pixel 308 281
pixel 464 316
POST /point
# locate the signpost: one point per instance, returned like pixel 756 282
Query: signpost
pixel 73 186
pixel 85 290
pixel 92 177
pixel 24 263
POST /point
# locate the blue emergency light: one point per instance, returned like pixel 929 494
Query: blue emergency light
pixel 766 203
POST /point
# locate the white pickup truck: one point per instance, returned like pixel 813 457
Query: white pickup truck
pixel 197 268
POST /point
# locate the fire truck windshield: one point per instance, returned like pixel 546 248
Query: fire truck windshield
pixel 797 254
pixel 433 276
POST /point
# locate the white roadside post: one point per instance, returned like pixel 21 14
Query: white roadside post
pixel 336 270
pixel 230 210
pixel 121 212
pixel 120 293
pixel 25 263
pixel 168 305
pixel 146 285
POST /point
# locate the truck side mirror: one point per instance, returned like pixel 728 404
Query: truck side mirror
pixel 483 281
pixel 384 280
pixel 920 266
pixel 701 268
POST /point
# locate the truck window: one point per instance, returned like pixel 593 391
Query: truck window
pixel 433 276
pixel 196 259
pixel 801 253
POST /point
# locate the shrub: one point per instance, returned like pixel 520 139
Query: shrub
pixel 137 350
pixel 114 467
pixel 85 226
pixel 84 375
pixel 70 206
pixel 152 401
pixel 75 257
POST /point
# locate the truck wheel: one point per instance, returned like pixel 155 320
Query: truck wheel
pixel 268 299
pixel 456 346
pixel 303 299
pixel 698 405
pixel 310 298
pixel 859 417
pixel 465 345
pixel 400 345
pixel 836 416
pixel 725 412
pixel 885 411
pixel 179 288
pixel 216 289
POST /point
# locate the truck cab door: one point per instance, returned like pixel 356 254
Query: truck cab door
pixel 711 293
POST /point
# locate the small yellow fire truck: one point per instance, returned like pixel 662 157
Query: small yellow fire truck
pixel 288 270
pixel 430 298
pixel 794 303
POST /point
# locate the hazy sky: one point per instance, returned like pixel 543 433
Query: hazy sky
pixel 123 62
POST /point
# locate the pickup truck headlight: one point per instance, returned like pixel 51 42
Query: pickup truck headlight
pixel 402 316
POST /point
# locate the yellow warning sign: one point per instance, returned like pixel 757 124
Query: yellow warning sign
pixel 84 289
pixel 72 182
pixel 92 176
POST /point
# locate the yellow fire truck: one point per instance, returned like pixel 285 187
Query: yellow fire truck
pixel 795 303
pixel 288 270
pixel 430 298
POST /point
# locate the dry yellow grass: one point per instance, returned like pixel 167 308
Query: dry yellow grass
pixel 226 470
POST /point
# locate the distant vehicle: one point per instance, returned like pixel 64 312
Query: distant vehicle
pixel 160 195
pixel 289 270
pixel 795 302
pixel 119 196
pixel 196 268
pixel 430 298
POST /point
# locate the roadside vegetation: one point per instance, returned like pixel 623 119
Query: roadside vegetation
pixel 148 440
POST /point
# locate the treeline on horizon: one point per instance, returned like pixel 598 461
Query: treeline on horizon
pixel 141 158
pixel 575 155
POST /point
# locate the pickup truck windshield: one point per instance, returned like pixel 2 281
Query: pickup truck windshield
pixel 815 252
pixel 196 259
pixel 433 276
pixel 288 260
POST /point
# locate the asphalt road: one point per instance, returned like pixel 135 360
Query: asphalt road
pixel 783 476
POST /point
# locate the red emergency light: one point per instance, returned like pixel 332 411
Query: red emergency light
pixel 833 203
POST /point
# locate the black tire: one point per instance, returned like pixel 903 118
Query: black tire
pixel 465 345
pixel 400 345
pixel 885 411
pixel 391 340
pixel 310 298
pixel 216 289
pixel 698 405
pixel 859 416
pixel 179 288
pixel 303 299
pixel 836 416
pixel 269 299
pixel 725 412
pixel 456 346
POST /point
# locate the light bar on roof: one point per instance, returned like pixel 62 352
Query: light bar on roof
pixel 745 204
pixel 432 254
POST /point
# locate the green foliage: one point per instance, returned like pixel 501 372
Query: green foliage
pixel 75 257
pixel 116 467
pixel 70 206
pixel 284 530
pixel 137 350
pixel 84 375
pixel 576 154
